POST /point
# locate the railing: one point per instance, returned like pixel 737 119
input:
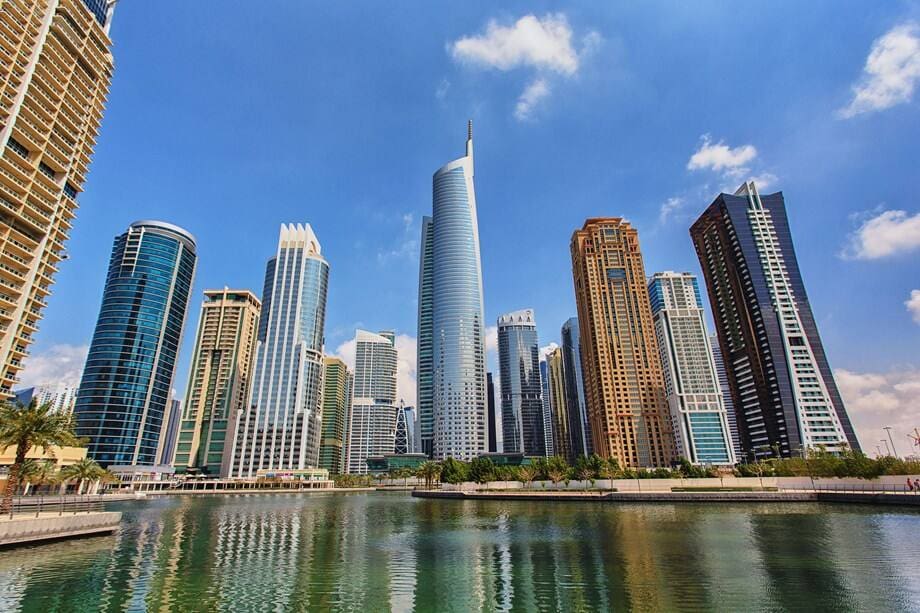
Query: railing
pixel 34 506
pixel 880 488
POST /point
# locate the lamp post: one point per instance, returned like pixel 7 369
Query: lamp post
pixel 888 430
pixel 887 448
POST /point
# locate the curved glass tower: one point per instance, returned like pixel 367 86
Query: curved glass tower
pixel 280 430
pixel 123 398
pixel 458 356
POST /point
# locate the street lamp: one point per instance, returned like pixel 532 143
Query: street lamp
pixel 887 448
pixel 888 430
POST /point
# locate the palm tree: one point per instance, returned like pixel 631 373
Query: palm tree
pixel 85 470
pixel 31 426
pixel 45 473
pixel 27 473
pixel 429 471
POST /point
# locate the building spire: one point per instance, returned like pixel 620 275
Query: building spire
pixel 469 139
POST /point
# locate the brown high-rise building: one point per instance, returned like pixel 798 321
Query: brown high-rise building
pixel 55 70
pixel 624 385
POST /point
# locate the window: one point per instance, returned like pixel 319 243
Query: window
pixel 15 145
pixel 46 170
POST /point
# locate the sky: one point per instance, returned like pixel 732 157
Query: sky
pixel 232 122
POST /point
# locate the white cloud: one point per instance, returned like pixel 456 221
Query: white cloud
pixel 404 246
pixel 720 156
pixel 530 97
pixel 541 44
pixel 406 364
pixel 891 73
pixel 547 349
pixel 491 339
pixel 670 207
pixel 876 400
pixel 913 305
pixel 61 364
pixel 886 234
pixel 544 44
pixel 443 87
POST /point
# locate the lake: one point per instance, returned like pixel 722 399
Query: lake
pixel 374 552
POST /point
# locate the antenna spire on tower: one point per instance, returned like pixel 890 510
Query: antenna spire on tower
pixel 469 130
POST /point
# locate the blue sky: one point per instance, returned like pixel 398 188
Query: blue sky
pixel 229 122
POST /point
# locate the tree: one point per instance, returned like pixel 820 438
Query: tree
pixel 429 471
pixel 481 470
pixel 454 471
pixel 527 473
pixel 585 473
pixel 28 427
pixel 45 473
pixel 86 470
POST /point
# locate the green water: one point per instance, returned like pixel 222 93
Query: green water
pixel 378 552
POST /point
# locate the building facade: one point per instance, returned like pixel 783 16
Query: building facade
pixel 61 397
pixel 337 384
pixel 280 429
pixel 521 386
pixel 122 405
pixel 57 67
pixel 781 383
pixel 730 413
pixel 372 427
pixel 219 380
pixel 559 411
pixel 549 448
pixel 425 364
pixel 698 417
pixel 624 385
pixel 491 414
pixel 458 346
pixel 575 389
pixel 170 433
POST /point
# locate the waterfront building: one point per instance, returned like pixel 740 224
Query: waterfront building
pixel 726 392
pixel 575 389
pixel 458 346
pixel 57 66
pixel 545 403
pixel 170 433
pixel 624 385
pixel 219 380
pixel 280 429
pixel 555 392
pixel 337 384
pixel 425 364
pixel 122 404
pixel 698 417
pixel 372 427
pixel 61 397
pixel 523 425
pixel 491 416
pixel 781 384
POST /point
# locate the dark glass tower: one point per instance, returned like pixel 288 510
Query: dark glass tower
pixel 122 402
pixel 523 424
pixel 781 384
pixel 575 389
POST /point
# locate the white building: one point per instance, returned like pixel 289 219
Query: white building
pixel 61 397
pixel 372 424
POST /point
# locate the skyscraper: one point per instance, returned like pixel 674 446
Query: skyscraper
pixel 698 417
pixel 219 380
pixel 559 412
pixel 170 434
pixel 280 430
pixel 58 67
pixel 521 384
pixel 458 347
pixel 126 384
pixel 624 386
pixel 60 396
pixel 425 365
pixel 491 415
pixel 545 402
pixel 726 391
pixel 781 383
pixel 372 426
pixel 575 389
pixel 337 384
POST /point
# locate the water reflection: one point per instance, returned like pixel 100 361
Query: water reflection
pixel 382 552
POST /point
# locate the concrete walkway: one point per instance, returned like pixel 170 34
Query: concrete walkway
pixel 31 527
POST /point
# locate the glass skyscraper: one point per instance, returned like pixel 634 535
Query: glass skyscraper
pixel 425 367
pixel 458 348
pixel 781 383
pixel 523 419
pixel 698 417
pixel 122 402
pixel 372 422
pixel 575 389
pixel 280 430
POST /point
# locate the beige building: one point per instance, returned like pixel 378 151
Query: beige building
pixel 219 380
pixel 624 384
pixel 55 70
pixel 562 436
pixel 337 382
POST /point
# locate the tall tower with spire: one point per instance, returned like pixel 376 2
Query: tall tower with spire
pixel 454 280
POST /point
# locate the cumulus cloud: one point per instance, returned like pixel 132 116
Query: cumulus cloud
pixel 406 364
pixel 404 244
pixel 60 364
pixel 719 156
pixel 541 44
pixel 443 87
pixel 491 339
pixel 876 400
pixel 530 97
pixel 670 207
pixel 546 349
pixel 887 233
pixel 913 305
pixel 891 73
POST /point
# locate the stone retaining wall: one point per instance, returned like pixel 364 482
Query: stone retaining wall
pixel 28 528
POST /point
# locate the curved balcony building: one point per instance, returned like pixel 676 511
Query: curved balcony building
pixel 124 394
pixel 458 350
